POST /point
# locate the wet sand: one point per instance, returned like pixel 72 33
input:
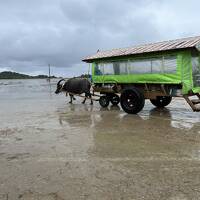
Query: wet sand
pixel 51 150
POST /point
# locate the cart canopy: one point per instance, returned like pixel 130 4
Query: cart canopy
pixel 171 45
pixel 168 62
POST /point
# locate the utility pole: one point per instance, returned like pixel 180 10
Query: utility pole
pixel 49 72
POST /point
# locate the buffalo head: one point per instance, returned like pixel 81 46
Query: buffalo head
pixel 59 86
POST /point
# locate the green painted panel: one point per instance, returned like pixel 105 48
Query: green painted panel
pixel 186 71
pixel 183 73
pixel 196 90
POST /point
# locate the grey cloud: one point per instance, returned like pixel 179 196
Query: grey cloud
pixel 61 32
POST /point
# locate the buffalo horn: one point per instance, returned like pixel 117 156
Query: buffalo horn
pixel 60 81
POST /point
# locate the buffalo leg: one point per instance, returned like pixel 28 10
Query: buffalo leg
pixel 86 96
pixel 91 103
pixel 90 96
pixel 71 98
pixel 84 99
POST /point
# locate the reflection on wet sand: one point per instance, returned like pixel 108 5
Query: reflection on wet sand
pixel 122 135
pixel 146 155
pixel 111 108
pixel 117 134
pixel 79 119
pixel 83 115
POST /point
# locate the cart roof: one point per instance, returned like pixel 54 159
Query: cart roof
pixel 184 43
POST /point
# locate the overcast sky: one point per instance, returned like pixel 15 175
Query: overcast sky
pixel 34 33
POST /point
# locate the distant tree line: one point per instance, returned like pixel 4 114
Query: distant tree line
pixel 14 75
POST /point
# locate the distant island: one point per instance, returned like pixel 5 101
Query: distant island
pixel 14 75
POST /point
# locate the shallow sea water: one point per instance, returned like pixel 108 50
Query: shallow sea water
pixel 50 149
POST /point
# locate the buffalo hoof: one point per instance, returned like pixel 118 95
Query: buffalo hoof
pixel 70 102
pixel 91 103
pixel 74 98
pixel 83 102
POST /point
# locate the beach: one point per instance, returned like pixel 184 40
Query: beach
pixel 53 150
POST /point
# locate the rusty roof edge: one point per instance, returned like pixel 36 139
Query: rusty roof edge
pixel 151 43
pixel 128 55
pixel 193 41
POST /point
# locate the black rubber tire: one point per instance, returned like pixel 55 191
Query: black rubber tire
pixel 132 100
pixel 114 99
pixel 104 101
pixel 161 101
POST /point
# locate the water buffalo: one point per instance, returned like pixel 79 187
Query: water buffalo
pixel 75 86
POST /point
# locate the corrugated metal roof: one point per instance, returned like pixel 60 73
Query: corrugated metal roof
pixel 184 43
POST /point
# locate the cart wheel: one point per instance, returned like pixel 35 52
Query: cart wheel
pixel 132 100
pixel 104 101
pixel 114 99
pixel 161 101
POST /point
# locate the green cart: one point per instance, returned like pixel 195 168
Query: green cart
pixel 157 71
